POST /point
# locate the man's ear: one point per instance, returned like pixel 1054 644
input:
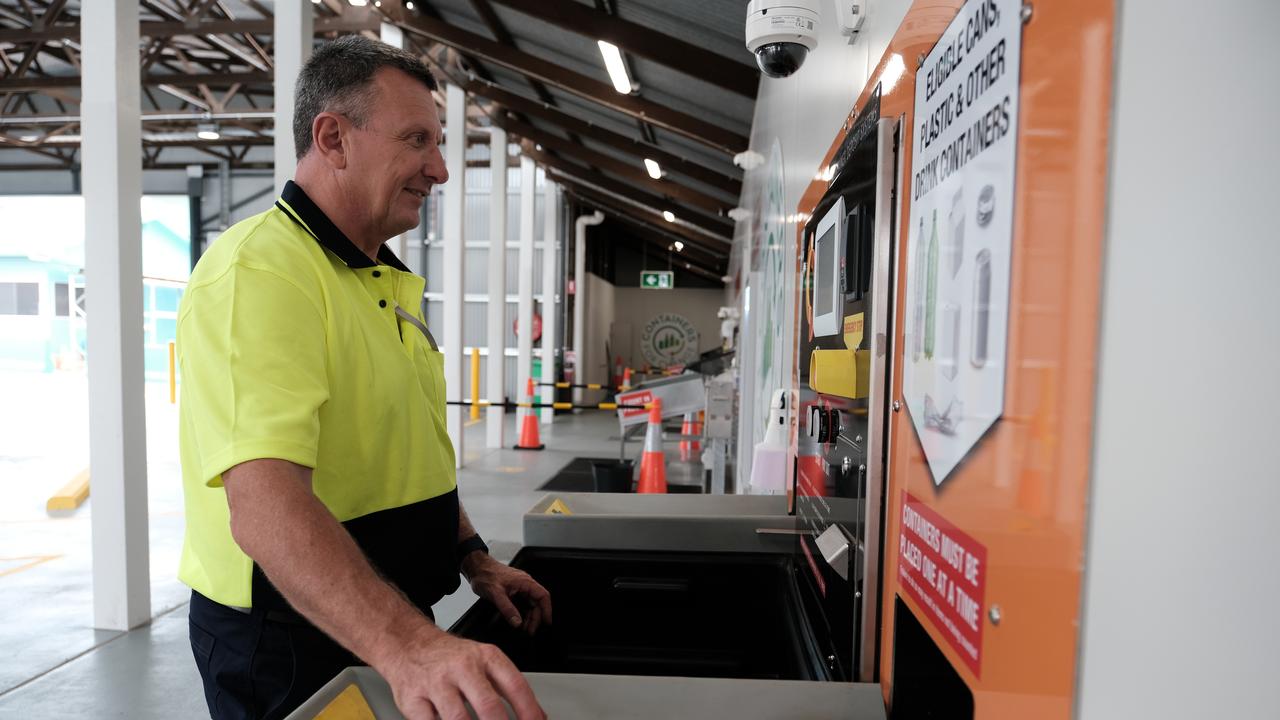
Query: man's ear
pixel 327 133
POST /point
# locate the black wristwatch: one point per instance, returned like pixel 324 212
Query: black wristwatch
pixel 470 545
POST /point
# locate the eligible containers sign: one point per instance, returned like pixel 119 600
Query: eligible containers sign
pixel 961 231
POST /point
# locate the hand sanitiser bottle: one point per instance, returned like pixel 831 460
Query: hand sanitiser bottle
pixel 769 461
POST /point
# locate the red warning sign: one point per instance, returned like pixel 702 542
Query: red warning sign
pixel 640 397
pixel 944 571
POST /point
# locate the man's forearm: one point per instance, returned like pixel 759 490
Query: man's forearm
pixel 314 562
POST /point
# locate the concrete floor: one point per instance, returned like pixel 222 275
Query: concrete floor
pixel 56 666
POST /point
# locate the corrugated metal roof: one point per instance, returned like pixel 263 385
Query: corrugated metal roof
pixel 714 25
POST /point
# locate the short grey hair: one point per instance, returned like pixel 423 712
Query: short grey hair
pixel 339 78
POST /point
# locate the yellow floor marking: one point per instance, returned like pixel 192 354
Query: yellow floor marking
pixel 474 422
pixel 72 495
pixel 32 561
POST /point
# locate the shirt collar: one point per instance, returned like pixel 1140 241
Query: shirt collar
pixel 303 210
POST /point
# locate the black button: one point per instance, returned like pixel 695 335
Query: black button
pixel 382 303
pixel 377 273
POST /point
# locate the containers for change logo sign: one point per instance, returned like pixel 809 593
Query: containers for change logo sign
pixel 669 339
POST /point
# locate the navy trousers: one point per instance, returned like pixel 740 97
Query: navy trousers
pixel 261 664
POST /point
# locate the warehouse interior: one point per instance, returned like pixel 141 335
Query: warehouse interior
pixel 885 359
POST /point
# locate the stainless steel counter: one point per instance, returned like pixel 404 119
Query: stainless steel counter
pixel 629 697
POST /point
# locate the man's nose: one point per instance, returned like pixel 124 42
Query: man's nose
pixel 434 169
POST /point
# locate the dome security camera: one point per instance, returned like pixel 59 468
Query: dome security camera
pixel 781 33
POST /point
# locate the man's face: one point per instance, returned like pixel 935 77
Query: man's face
pixel 395 159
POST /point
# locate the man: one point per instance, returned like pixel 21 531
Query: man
pixel 322 512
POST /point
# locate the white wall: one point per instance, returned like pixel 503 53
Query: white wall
pixel 1181 590
pixel 635 307
pixel 802 113
pixel 598 368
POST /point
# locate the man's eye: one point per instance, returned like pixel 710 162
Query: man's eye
pixel 418 139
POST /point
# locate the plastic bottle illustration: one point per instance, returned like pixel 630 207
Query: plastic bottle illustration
pixel 917 282
pixel 931 290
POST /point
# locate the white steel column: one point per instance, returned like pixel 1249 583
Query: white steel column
pixel 394 36
pixel 112 145
pixel 497 310
pixel 580 297
pixel 455 194
pixel 524 312
pixel 550 254
pixel 293 37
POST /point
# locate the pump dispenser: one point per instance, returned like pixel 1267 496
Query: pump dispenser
pixel 769 462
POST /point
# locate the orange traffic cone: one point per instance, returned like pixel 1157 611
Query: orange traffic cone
pixel 617 372
pixel 653 463
pixel 529 423
pixel 686 445
pixel 626 379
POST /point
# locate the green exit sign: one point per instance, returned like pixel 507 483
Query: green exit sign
pixel 657 279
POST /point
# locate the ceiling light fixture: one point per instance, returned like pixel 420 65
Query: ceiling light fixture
pixel 668 216
pixel 409 5
pixel 29 138
pixel 617 69
pixel 655 172
pixel 207 131
pixel 679 246
pixel 357 3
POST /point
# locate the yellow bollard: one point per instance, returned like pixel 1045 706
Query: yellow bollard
pixel 475 383
pixel 173 378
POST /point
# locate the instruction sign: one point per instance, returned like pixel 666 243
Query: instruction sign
pixel 657 279
pixel 960 232
pixel 945 572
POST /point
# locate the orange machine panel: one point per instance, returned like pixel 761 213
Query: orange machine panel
pixel 1020 494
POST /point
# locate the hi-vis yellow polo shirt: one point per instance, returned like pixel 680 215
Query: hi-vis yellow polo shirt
pixel 295 345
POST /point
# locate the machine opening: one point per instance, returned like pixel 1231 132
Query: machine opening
pixel 924 683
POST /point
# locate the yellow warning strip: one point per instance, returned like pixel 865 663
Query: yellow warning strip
pixel 72 495
pixel 349 705
pixel 32 561
pixel 477 421
pixel 558 508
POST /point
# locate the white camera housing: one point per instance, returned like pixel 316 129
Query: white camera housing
pixel 782 33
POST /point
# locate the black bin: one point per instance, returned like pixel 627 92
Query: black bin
pixel 682 614
pixel 612 475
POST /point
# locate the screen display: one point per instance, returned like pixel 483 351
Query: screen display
pixel 825 285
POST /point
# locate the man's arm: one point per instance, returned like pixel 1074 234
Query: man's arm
pixel 279 523
pixel 500 584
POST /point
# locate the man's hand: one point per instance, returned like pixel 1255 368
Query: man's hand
pixel 501 584
pixel 435 672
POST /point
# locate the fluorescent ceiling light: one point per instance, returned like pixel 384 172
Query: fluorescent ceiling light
pixel 29 138
pixel 655 172
pixel 207 131
pixel 357 3
pixel 617 69
pixel 679 246
pixel 668 216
